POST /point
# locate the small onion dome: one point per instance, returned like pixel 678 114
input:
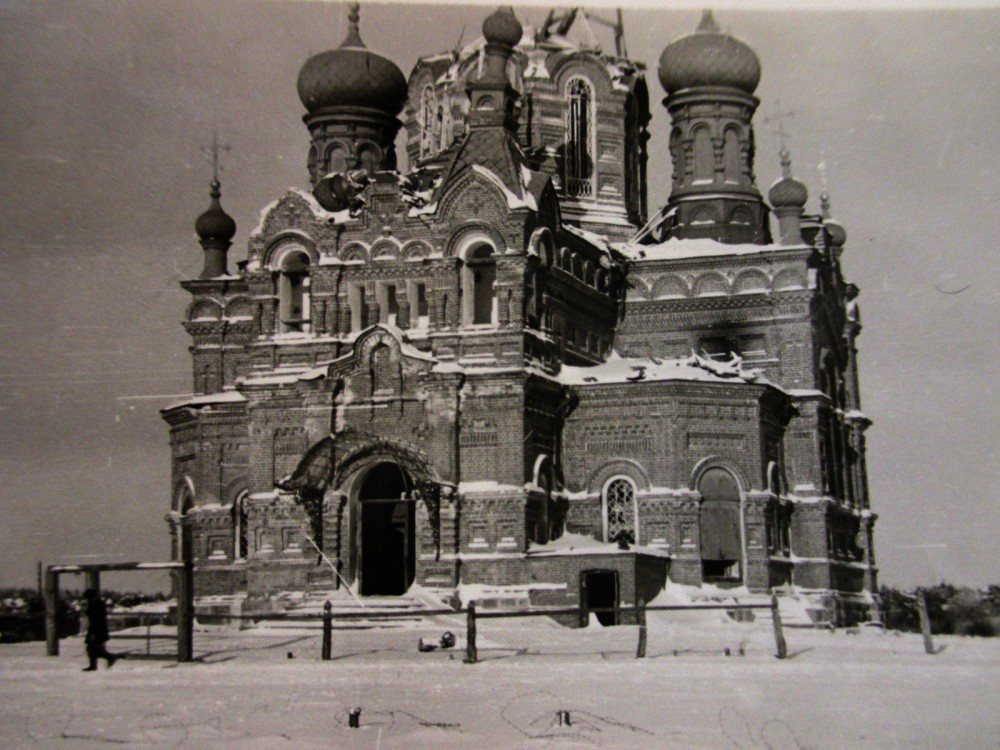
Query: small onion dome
pixel 502 27
pixel 352 76
pixel 215 224
pixel 838 235
pixel 708 58
pixel 787 192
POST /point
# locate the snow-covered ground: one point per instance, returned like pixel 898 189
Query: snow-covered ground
pixel 837 690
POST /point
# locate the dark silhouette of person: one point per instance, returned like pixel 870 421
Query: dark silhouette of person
pixel 97 631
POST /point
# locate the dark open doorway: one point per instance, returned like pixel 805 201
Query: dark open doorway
pixel 599 590
pixel 387 553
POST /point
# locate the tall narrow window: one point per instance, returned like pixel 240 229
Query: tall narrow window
pixel 704 156
pixel 359 312
pixel 479 280
pixel 731 157
pixel 719 516
pixel 240 516
pixel 579 139
pixel 293 292
pixel 387 304
pixel 619 511
pixel 416 292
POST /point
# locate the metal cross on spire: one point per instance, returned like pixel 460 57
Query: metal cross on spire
pixel 777 122
pixel 824 197
pixel 213 152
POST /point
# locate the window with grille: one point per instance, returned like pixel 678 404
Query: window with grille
pixel 619 510
pixel 579 139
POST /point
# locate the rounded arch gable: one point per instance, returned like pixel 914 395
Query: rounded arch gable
pixel 670 286
pixel 751 281
pixel 638 289
pixel 415 250
pixel 234 489
pixel 621 467
pixel 356 462
pixel 183 495
pixel 470 234
pixel 789 278
pixel 385 249
pixel 540 243
pixel 204 309
pixel 719 462
pixel 710 284
pixel 354 251
pixel 582 65
pixel 286 243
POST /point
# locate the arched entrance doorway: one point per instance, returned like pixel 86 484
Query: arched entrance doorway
pixel 387 551
pixel 721 540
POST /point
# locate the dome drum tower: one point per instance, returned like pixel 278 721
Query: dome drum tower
pixel 710 78
pixel 352 96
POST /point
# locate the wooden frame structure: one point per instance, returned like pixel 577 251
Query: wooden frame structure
pixel 92 580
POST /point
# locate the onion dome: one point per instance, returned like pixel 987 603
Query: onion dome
pixel 215 225
pixel 352 76
pixel 787 192
pixel 502 27
pixel 708 58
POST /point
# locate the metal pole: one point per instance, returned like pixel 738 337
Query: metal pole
pixel 327 630
pixel 471 656
pixel 51 613
pixel 779 635
pixel 925 623
pixel 640 616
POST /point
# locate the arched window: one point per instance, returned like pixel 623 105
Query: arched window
pixel 731 157
pixel 580 138
pixel 704 156
pixel 240 516
pixel 479 279
pixel 369 160
pixel 719 516
pixel 336 161
pixel 620 524
pixel 293 292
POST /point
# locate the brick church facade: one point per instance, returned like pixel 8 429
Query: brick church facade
pixel 501 369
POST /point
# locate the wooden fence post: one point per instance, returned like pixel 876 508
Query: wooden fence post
pixel 640 616
pixel 925 623
pixel 327 630
pixel 185 612
pixel 471 656
pixel 51 613
pixel 779 635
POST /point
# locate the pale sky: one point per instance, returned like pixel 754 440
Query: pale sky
pixel 104 108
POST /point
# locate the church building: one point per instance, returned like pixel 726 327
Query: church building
pixel 501 371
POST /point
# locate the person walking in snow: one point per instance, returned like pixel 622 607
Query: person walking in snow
pixel 97 631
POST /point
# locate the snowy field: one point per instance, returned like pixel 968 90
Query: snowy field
pixel 837 690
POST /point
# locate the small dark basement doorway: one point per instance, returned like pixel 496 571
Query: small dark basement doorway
pixel 388 553
pixel 599 590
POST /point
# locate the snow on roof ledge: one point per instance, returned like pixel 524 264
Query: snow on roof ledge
pixel 676 249
pixel 649 369
pixel 224 397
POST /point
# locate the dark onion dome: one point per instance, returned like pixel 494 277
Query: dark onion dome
pixel 787 192
pixel 708 58
pixel 352 76
pixel 838 235
pixel 502 27
pixel 215 224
